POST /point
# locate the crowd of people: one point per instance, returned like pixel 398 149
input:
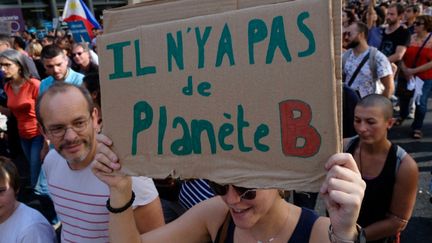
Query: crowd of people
pixel 50 94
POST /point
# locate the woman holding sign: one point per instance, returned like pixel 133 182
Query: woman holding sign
pixel 241 214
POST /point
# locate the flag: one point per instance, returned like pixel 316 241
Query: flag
pixel 76 10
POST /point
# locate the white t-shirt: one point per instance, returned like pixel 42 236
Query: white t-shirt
pixel 80 199
pixel 26 225
pixel 363 81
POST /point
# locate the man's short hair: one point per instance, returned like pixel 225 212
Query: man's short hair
pixel 62 87
pixel 400 9
pixel 51 51
pixel 19 41
pixel 414 7
pixel 362 28
pixel 377 100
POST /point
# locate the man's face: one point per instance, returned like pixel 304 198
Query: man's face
pixel 352 36
pixel 56 66
pixel 69 126
pixel 80 56
pixel 409 14
pixel 392 17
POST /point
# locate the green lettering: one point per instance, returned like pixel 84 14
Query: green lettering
pixel 261 131
pixel 139 124
pixel 224 131
pixel 225 47
pixel 201 41
pixel 175 51
pixel 307 33
pixel 257 32
pixel 277 40
pixel 162 128
pixel 182 146
pixel 198 126
pixel 241 123
pixel 117 49
pixel 141 71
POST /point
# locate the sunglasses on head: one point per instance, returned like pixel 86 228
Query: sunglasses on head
pixel 417 23
pixel 243 192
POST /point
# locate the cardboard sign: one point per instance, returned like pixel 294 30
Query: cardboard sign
pixel 243 97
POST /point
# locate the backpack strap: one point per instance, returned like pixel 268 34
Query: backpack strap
pixel 400 154
pixel 372 62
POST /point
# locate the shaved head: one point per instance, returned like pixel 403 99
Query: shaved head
pixel 376 100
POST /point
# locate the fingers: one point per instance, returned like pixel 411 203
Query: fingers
pixel 101 138
pixel 342 159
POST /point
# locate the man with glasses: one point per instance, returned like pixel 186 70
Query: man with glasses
pixel 55 62
pixel 83 60
pixel 68 119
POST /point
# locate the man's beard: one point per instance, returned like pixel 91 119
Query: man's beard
pixel 353 44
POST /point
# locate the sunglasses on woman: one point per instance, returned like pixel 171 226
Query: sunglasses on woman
pixel 243 192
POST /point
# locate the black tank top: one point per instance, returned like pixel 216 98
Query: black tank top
pixel 379 190
pixel 301 232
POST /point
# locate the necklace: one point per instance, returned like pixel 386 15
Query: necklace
pixel 276 235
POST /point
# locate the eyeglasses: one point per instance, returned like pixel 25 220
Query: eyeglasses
pixel 78 126
pixel 417 23
pixel 244 193
pixel 77 54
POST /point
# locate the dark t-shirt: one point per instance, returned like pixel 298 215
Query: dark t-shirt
pixel 399 37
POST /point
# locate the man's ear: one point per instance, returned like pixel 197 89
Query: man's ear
pixel 42 130
pixel 95 117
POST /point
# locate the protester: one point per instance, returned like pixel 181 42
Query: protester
pixel 411 13
pixel 6 43
pixel 47 40
pixel 18 222
pixel 82 58
pixel 391 174
pixel 417 63
pixel 56 65
pixel 34 50
pixel 252 215
pixel 365 69
pixel 22 91
pixel 68 120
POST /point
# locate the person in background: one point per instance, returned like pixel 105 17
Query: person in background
pixel 83 60
pixel 22 92
pixel 20 45
pixel 18 222
pixel 47 40
pixel 411 13
pixel 418 62
pixel 56 64
pixel 391 174
pixel 34 50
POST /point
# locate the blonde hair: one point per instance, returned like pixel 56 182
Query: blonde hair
pixel 34 49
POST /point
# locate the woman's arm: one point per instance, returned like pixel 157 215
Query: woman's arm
pixel 402 204
pixel 343 191
pixel 198 224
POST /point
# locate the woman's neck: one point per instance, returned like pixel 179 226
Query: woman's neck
pixel 274 223
pixel 375 148
pixel 17 81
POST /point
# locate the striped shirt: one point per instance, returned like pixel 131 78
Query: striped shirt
pixel 79 198
pixel 194 191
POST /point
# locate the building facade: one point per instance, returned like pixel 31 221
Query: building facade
pixel 39 14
